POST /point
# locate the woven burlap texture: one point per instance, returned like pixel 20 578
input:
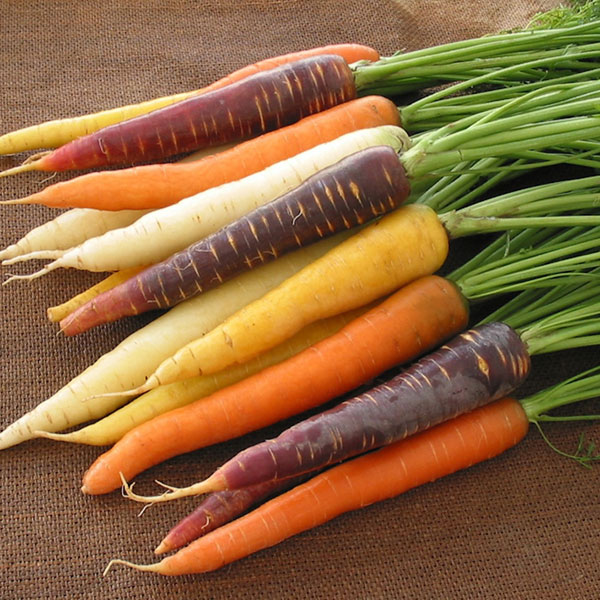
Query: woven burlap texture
pixel 526 525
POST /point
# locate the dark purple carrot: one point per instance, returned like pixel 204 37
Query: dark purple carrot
pixel 260 103
pixel 357 189
pixel 475 368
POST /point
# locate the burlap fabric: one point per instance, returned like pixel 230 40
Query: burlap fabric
pixel 523 526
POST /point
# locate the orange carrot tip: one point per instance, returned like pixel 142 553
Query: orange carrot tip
pixel 214 483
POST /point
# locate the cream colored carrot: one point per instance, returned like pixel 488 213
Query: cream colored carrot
pixel 137 356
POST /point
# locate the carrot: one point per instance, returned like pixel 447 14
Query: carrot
pixel 359 188
pixel 413 320
pixel 138 355
pixel 371 264
pixel 156 186
pixel 457 444
pixel 406 72
pixel 69 229
pixel 61 311
pixel 259 103
pixel 388 472
pixel 474 368
pixel 162 232
pixel 220 508
pixel 52 134
pixel 384 409
pixel 112 427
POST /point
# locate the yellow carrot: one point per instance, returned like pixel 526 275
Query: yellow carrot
pixel 113 427
pixel 405 245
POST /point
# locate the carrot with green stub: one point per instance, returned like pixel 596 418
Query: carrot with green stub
pixel 260 102
pixel 360 188
pixel 158 185
pixel 52 134
pixel 457 444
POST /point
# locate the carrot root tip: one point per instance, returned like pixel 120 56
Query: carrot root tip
pixel 162 548
pixel 120 561
pixel 22 168
pixel 172 493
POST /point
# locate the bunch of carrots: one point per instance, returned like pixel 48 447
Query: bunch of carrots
pixel 294 260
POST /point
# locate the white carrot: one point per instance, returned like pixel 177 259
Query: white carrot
pixel 136 357
pixel 69 229
pixel 163 232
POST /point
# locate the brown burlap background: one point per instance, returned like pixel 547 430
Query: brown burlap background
pixel 526 525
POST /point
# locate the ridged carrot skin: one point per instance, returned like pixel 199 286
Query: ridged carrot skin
pixel 159 185
pixel 457 444
pixel 413 320
pixel 255 105
pixel 400 247
pixel 52 134
pixel 477 367
pixel 357 189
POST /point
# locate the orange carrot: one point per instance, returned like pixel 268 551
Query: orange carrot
pixel 415 319
pixel 457 444
pixel 158 185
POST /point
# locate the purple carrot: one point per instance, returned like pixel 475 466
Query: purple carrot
pixel 477 367
pixel 219 508
pixel 357 189
pixel 260 103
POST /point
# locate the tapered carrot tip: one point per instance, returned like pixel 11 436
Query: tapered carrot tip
pixel 214 483
pixel 163 547
pixel 35 275
pixel 125 393
pixel 119 561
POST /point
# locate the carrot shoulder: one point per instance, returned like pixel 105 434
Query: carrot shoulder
pixel 415 319
pixel 159 185
pixel 393 470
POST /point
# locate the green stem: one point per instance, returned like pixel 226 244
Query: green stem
pixel 565 257
pixel 419 161
pixel 458 225
pixel 479 48
pixel 575 326
pixel 583 386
